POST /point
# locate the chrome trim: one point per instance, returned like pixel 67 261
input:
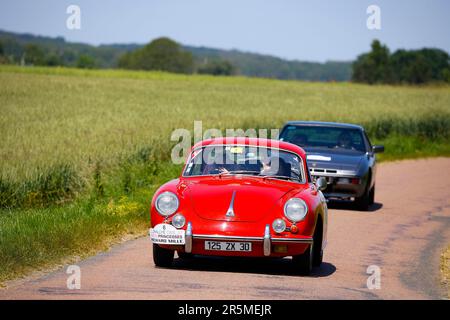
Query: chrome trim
pixel 232 238
pixel 338 173
pixel 237 238
pixel 230 211
pixel 292 240
pixel 188 239
pixel 339 195
pixel 267 245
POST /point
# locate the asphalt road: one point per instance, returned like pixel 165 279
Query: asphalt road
pixel 403 235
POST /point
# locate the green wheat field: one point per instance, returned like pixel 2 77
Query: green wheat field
pixel 83 151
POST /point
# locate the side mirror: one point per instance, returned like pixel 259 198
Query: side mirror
pixel 321 183
pixel 377 149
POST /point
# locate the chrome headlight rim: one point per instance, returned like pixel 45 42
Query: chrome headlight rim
pixel 289 215
pixel 172 211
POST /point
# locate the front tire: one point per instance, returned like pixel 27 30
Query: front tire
pixel 363 203
pixel 372 195
pixel 184 255
pixel 304 263
pixel 162 257
pixel 317 248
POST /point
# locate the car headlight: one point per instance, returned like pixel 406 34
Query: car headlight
pixel 279 225
pixel 167 203
pixel 178 221
pixel 295 209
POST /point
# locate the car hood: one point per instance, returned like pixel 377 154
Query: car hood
pixel 334 160
pixel 254 198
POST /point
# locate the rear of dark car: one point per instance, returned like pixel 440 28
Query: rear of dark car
pixel 342 153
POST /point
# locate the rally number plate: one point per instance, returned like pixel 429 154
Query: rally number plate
pixel 167 234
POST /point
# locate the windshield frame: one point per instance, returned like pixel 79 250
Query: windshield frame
pixel 304 178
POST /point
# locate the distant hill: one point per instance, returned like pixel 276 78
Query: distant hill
pixel 247 64
pixel 258 65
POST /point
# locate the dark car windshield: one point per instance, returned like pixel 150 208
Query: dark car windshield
pixel 246 160
pixel 324 137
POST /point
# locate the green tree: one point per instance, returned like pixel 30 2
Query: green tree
pixel 53 60
pixel 161 54
pixel 373 67
pixel 217 68
pixel 85 62
pixel 446 75
pixel 3 58
pixel 420 66
pixel 34 55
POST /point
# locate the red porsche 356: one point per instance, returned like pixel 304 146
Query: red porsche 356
pixel 246 197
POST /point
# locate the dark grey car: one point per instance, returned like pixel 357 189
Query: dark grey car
pixel 340 152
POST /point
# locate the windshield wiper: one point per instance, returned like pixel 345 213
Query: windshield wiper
pixel 280 177
pixel 238 172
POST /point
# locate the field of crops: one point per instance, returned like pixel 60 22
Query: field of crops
pixel 100 140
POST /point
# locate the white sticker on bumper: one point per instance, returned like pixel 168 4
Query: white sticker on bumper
pixel 167 234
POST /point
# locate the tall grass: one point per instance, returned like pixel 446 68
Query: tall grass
pixel 431 126
pixel 62 129
pixel 38 237
pixel 56 184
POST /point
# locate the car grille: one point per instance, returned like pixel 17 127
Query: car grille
pixel 317 170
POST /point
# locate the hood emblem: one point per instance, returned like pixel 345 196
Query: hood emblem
pixel 230 211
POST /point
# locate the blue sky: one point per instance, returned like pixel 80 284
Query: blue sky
pixel 293 29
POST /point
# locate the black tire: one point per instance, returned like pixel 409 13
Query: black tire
pixel 317 248
pixel 184 255
pixel 372 195
pixel 162 257
pixel 303 263
pixel 363 203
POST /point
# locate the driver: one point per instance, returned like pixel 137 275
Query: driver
pixel 222 163
pixel 345 140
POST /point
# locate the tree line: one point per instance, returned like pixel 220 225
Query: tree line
pixel 161 54
pixel 379 66
pixel 57 51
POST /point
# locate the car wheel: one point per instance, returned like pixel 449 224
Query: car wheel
pixel 162 257
pixel 363 203
pixel 372 195
pixel 184 255
pixel 317 249
pixel 303 263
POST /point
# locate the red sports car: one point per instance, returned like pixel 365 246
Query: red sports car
pixel 244 197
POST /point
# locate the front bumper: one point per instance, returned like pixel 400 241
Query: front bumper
pixel 265 245
pixel 342 187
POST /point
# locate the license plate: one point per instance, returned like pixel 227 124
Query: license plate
pixel 228 246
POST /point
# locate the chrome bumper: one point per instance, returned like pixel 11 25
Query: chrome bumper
pixel 266 239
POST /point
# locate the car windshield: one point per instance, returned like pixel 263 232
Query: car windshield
pixel 324 137
pixel 267 163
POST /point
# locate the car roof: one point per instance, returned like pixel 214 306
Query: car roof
pixel 323 124
pixel 260 142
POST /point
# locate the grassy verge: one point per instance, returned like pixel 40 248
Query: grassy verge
pixel 445 270
pixel 82 152
pixel 34 238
